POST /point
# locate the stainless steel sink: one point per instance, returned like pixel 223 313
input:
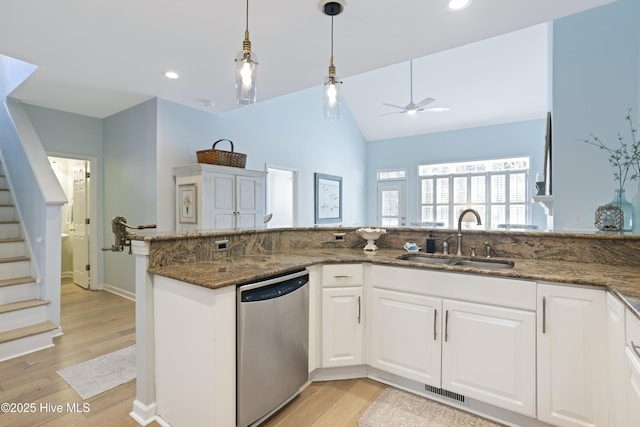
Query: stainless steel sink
pixel 426 259
pixel 477 263
pixel 483 263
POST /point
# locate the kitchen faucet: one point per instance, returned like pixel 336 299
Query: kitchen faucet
pixel 459 235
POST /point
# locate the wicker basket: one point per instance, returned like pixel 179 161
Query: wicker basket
pixel 220 157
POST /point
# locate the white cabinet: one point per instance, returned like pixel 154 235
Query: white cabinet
pixel 342 315
pixel 405 335
pixel 571 356
pixel 632 371
pixel 615 361
pixel 226 198
pixel 488 353
pixel 421 329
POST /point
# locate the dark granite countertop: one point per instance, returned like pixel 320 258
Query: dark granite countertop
pixel 622 281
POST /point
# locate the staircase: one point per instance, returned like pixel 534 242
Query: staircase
pixel 24 327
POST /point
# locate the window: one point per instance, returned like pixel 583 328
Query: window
pixel 497 189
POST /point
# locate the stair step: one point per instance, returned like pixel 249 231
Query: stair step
pixel 9 229
pixel 14 259
pixel 16 281
pixel 21 305
pixel 26 331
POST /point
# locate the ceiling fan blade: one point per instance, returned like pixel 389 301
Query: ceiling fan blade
pixel 394 106
pixel 394 112
pixel 424 102
pixel 436 109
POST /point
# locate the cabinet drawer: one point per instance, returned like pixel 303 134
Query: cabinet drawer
pixel 633 334
pixel 342 274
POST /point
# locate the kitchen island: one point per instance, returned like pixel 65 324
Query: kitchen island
pixel 594 262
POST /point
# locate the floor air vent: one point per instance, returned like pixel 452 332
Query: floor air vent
pixel 445 393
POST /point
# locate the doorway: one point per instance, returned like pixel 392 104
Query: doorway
pixel 78 231
pixel 281 185
pixel 391 203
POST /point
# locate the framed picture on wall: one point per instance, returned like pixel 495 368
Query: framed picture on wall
pixel 328 198
pixel 187 203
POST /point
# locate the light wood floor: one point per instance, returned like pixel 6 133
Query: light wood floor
pixel 97 323
pixel 94 323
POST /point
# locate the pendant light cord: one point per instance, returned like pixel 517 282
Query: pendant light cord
pixel 247 17
pixel 332 37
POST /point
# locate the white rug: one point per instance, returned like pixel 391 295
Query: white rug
pixel 102 373
pixel 396 408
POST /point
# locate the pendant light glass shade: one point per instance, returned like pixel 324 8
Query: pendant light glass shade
pixel 332 94
pixel 332 88
pixel 246 70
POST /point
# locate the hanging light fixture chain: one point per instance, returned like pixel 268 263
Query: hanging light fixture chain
pixel 246 44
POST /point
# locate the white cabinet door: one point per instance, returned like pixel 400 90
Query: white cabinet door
pixel 616 361
pixel 222 193
pixel 571 356
pixel 249 202
pixel 405 335
pixel 632 381
pixel 488 353
pixel 342 333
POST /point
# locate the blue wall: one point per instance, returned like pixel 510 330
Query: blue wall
pixel 501 141
pixel 595 80
pixel 291 131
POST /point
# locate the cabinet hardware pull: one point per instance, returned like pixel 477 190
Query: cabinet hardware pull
pixel 635 348
pixel 343 276
pixel 435 318
pixel 544 315
pixel 359 310
pixel 446 325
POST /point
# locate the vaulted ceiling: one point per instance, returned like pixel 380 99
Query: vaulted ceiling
pixel 98 58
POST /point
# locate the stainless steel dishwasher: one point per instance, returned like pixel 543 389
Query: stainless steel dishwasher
pixel 272 345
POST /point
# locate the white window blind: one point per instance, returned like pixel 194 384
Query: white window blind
pixel 497 189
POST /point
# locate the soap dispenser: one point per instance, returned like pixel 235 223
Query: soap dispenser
pixel 431 243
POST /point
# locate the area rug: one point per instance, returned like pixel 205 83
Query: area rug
pixel 102 373
pixel 396 408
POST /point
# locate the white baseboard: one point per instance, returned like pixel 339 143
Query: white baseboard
pixel 120 292
pixel 144 414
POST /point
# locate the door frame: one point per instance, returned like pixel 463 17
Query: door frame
pixel 94 214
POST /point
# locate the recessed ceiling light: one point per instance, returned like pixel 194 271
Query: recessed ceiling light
pixel 458 4
pixel 171 75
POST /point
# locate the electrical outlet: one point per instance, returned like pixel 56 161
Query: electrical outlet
pixel 221 245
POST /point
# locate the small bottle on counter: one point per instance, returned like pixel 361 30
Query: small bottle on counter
pixel 431 243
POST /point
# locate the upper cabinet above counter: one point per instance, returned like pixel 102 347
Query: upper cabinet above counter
pixel 210 197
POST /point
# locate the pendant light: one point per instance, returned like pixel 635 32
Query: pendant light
pixel 246 70
pixel 332 83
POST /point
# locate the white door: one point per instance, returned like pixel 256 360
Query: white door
pixel 79 229
pixel 341 327
pixel 489 354
pixel 391 203
pixel 572 346
pixel 405 335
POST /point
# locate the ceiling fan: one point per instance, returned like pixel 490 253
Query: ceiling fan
pixel 412 108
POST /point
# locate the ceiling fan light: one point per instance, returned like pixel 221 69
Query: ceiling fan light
pixel 458 4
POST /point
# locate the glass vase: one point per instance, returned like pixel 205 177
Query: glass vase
pixel 620 200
